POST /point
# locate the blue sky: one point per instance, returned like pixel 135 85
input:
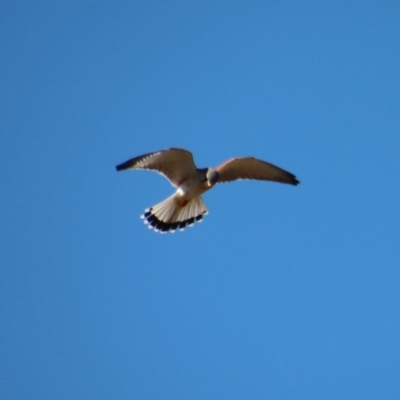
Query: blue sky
pixel 282 292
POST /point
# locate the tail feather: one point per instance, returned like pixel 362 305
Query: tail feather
pixel 170 215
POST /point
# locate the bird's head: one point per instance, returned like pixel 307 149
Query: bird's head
pixel 212 177
pixel 209 176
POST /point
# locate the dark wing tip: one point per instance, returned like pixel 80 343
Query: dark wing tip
pixel 132 162
pixel 123 166
pixel 290 179
pixel 294 181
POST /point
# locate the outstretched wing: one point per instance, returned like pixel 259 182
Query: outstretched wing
pixel 252 168
pixel 174 164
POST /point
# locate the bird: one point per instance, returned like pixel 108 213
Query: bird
pixel 186 206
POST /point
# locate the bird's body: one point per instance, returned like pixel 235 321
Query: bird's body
pixel 195 185
pixel 186 206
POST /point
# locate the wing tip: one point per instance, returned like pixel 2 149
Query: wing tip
pixel 294 181
pixel 121 167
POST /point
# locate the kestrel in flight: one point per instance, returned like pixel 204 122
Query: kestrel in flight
pixel 186 206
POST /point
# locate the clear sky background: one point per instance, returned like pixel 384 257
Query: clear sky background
pixel 282 292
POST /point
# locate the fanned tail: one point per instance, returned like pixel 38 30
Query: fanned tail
pixel 171 214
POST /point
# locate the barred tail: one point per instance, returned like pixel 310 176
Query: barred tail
pixel 171 215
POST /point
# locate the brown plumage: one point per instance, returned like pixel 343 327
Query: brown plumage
pixel 186 206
